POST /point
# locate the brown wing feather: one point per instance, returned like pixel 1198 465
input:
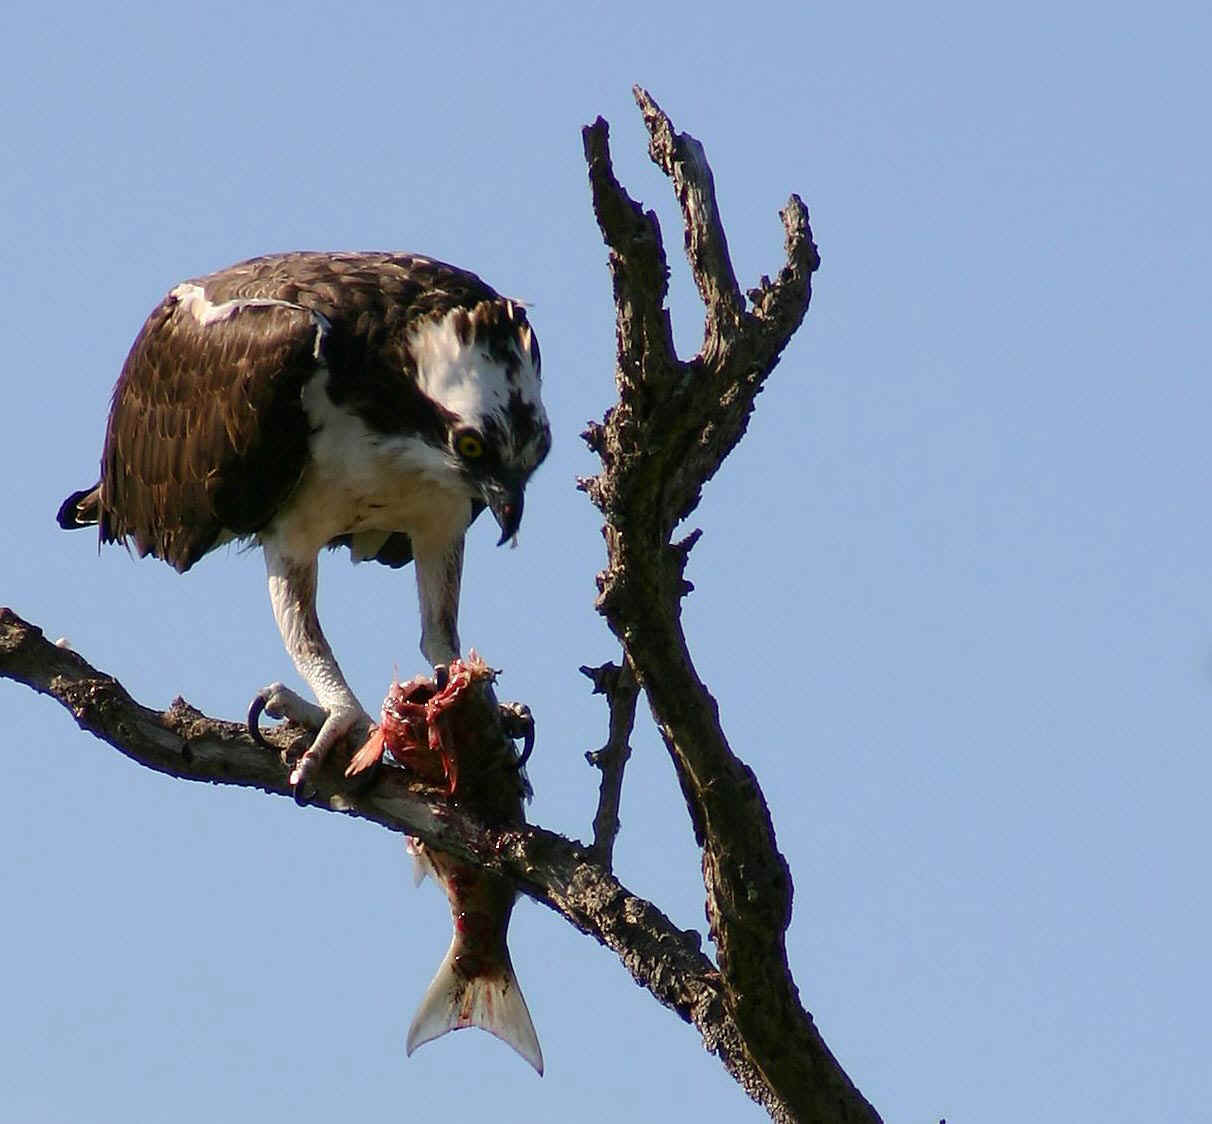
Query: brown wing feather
pixel 207 433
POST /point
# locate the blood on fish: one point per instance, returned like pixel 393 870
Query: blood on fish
pixel 452 739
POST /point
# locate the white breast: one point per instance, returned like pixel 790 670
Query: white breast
pixel 359 480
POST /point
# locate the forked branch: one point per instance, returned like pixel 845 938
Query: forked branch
pixel 673 427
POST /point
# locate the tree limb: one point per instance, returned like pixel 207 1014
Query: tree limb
pixel 621 690
pixel 672 428
pixel 182 742
pixel 683 160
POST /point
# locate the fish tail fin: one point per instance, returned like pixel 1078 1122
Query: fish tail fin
pixel 490 1000
pixel 421 865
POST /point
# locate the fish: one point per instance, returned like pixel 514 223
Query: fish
pixel 451 737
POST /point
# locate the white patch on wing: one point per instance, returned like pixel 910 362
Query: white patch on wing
pixel 193 299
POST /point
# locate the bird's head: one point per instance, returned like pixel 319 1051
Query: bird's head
pixel 481 366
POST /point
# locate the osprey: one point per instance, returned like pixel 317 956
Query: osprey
pixel 376 401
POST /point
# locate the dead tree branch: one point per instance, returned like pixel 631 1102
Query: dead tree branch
pixel 558 872
pixel 621 690
pixel 674 425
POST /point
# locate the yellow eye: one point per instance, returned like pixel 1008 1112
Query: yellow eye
pixel 469 446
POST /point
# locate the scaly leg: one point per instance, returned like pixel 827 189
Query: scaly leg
pixel 439 575
pixel 292 592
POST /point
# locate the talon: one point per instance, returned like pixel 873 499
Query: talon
pixel 300 781
pixel 441 676
pixel 331 724
pixel 527 747
pixel 519 723
pixel 255 710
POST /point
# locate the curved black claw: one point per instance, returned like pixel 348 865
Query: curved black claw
pixel 527 746
pixel 441 676
pixel 255 709
pixel 519 723
pixel 301 793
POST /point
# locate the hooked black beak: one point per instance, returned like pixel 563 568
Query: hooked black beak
pixel 504 500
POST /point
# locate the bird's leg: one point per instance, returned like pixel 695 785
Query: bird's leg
pixel 439 575
pixel 292 592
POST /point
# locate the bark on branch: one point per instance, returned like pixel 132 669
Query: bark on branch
pixel 673 427
pixel 558 872
pixel 621 690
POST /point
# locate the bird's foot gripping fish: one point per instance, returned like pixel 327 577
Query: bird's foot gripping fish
pixel 454 738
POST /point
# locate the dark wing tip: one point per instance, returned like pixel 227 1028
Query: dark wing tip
pixel 80 509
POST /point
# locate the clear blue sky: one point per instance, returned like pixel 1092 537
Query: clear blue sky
pixel 953 592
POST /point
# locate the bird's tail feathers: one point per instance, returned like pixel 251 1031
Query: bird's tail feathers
pixel 80 509
pixel 490 1000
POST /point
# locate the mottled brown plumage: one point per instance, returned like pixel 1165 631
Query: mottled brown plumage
pixel 373 400
pixel 207 436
